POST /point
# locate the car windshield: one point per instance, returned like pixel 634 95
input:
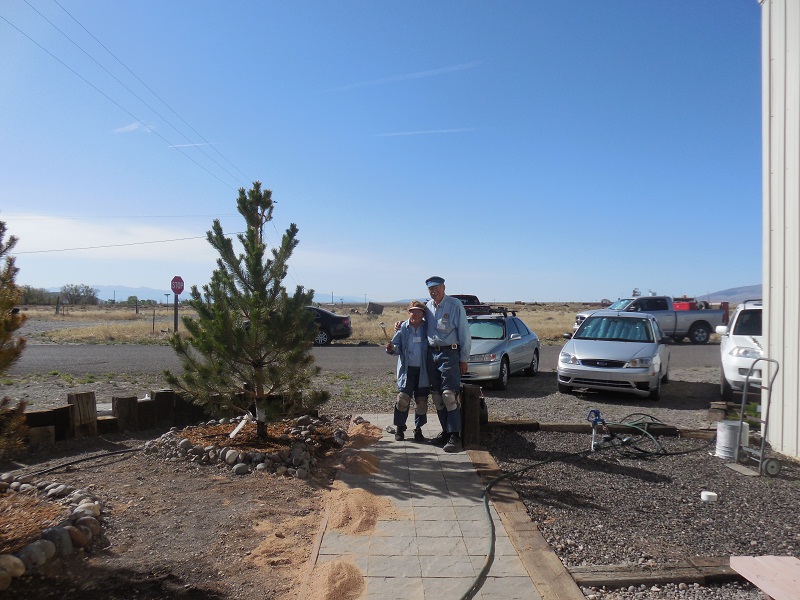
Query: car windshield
pixel 615 329
pixel 486 329
pixel 620 304
pixel 748 323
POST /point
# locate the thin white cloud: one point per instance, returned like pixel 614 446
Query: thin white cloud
pixel 188 145
pixel 407 76
pixel 426 132
pixel 46 238
pixel 103 260
pixel 135 126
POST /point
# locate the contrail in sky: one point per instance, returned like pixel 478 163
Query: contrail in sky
pixel 188 145
pixel 407 76
pixel 428 132
pixel 135 126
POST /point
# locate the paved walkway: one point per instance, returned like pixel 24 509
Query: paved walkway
pixel 439 551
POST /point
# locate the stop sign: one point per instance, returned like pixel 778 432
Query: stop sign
pixel 177 284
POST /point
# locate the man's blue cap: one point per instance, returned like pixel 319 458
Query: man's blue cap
pixel 435 280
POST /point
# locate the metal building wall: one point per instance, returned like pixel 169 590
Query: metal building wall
pixel 780 28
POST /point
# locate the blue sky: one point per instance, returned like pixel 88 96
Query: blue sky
pixel 523 150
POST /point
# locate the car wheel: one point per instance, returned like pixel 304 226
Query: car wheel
pixel 725 389
pixel 655 393
pixel 564 389
pixel 699 334
pixel 501 382
pixel 322 338
pixel 533 369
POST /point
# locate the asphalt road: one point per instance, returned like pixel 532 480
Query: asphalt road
pixel 80 359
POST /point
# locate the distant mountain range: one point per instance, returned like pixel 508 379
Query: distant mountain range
pixel 121 293
pixel 734 295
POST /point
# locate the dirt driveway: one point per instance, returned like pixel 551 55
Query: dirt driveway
pixel 177 529
pixel 181 530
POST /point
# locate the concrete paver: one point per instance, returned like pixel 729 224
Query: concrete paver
pixel 439 544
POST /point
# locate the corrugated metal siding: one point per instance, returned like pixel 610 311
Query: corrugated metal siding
pixel 781 226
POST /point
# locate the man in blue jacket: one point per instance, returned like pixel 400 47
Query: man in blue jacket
pixel 449 344
pixel 410 342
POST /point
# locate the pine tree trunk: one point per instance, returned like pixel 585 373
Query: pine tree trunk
pixel 261 417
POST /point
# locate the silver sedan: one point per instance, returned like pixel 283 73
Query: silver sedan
pixel 501 345
pixel 615 351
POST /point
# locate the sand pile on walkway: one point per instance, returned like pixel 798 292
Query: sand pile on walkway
pixel 363 434
pixel 356 511
pixel 358 463
pixel 335 580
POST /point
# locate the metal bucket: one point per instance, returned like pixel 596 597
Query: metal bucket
pixel 729 438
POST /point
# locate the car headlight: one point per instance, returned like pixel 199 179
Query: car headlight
pixel 745 352
pixel 638 363
pixel 571 359
pixel 483 358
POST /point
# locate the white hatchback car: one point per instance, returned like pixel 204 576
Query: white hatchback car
pixel 615 351
pixel 740 344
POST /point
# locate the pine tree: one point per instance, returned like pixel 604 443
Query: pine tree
pixel 12 419
pixel 250 345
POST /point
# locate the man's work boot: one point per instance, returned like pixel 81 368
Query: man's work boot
pixel 441 439
pixel 399 433
pixel 453 444
pixel 418 437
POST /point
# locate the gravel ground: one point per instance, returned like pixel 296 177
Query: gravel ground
pixel 625 506
pixel 620 507
pixel 613 507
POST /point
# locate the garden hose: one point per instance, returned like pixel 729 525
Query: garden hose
pixel 79 460
pixel 640 425
pixel 478 581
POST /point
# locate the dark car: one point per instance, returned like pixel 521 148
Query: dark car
pixel 330 326
pixel 472 305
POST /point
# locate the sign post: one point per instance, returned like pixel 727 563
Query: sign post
pixel 177 287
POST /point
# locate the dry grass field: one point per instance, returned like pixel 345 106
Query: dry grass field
pixel 549 321
pixel 105 324
pixel 122 324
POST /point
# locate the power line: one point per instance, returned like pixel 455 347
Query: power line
pixel 116 245
pixel 151 90
pixel 74 43
pixel 25 217
pixel 114 102
pixel 149 129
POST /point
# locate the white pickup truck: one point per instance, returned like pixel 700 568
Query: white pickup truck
pixel 697 325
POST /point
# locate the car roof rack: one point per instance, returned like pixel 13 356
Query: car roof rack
pixel 499 310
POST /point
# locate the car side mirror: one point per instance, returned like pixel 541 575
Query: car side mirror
pixel 722 329
pixel 515 336
pixel 566 336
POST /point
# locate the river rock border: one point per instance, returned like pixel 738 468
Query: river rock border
pixel 297 461
pixel 84 521
pixel 75 531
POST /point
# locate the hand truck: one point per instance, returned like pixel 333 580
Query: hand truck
pixel 766 466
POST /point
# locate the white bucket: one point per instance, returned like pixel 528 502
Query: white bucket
pixel 727 435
